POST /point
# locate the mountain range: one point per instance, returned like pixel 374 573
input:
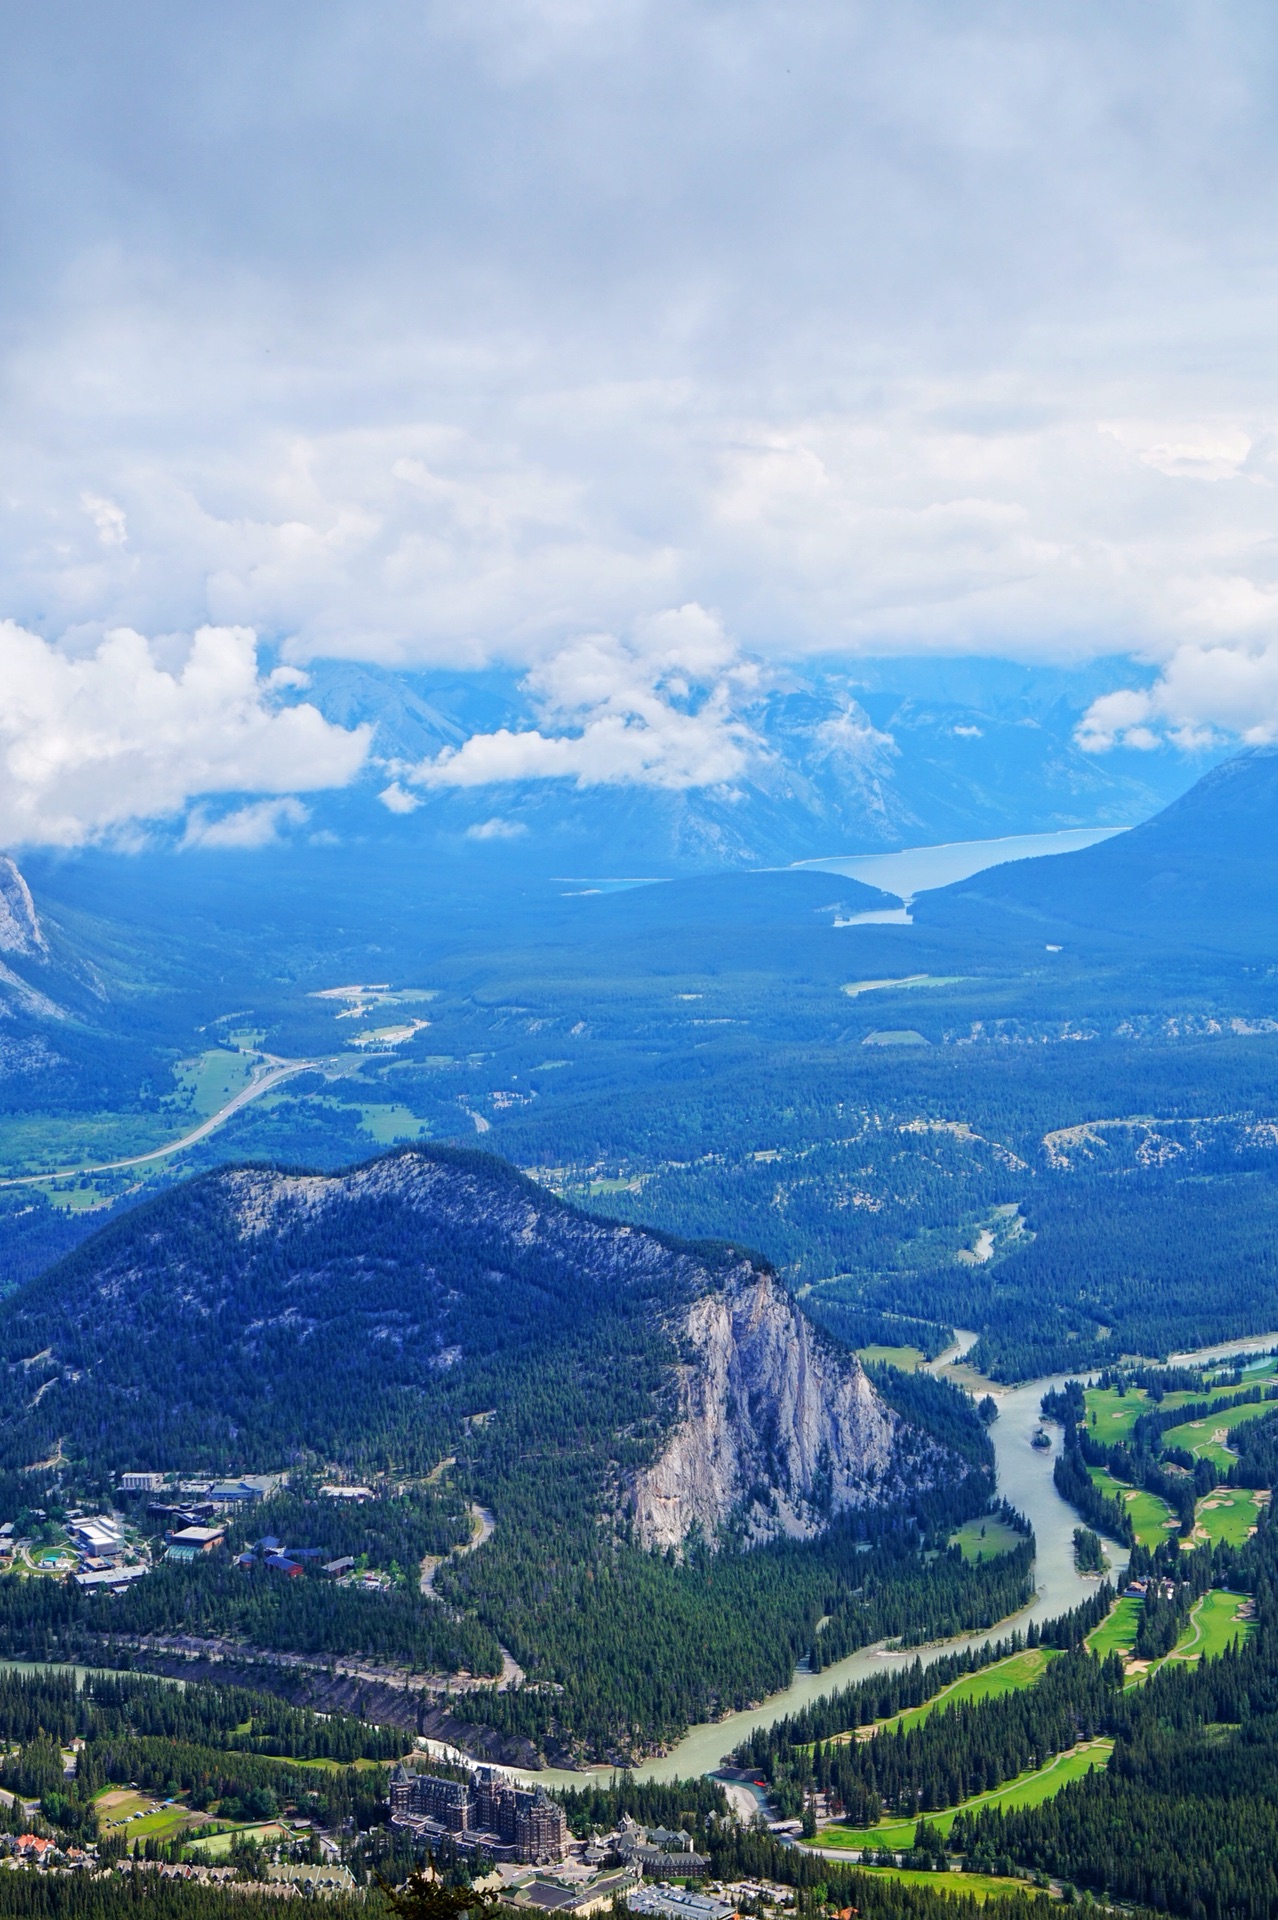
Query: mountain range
pixel 888 754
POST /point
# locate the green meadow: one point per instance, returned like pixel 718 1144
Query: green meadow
pixel 985 1538
pixel 1116 1633
pixel 1027 1790
pixel 1150 1517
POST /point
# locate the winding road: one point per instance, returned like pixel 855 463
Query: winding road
pixel 268 1076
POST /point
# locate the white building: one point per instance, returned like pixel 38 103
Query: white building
pixel 100 1538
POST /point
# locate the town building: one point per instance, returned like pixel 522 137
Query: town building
pixel 117 1578
pixel 485 1814
pixel 548 1896
pixel 101 1537
pixel 188 1543
pixel 676 1903
pixel 659 1850
pixel 141 1482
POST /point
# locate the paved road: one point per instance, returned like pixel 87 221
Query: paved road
pixel 269 1076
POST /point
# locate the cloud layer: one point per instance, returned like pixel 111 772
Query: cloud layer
pixel 436 333
pixel 655 712
pixel 90 744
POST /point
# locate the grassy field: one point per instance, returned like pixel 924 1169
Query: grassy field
pixel 1117 1632
pixel 976 1886
pixel 908 1359
pixel 1230 1514
pixel 1150 1516
pixel 1213 1625
pixel 1205 1438
pixel 139 1817
pixel 1027 1790
pixel 1117 1413
pixel 1111 1415
pixel 218 1844
pixel 31 1144
pixel 991 1683
pixel 208 1082
pixel 986 1539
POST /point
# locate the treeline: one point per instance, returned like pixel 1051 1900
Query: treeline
pixel 393 1530
pixel 105 1705
pixel 1178 1478
pixel 785 1750
pixel 1185 1817
pixel 643 1644
pixel 860 1326
pixel 738 1853
pixel 50 1620
pixel 124 1896
pixel 942 1410
pixel 965 1748
pixel 1075 1485
pixel 690 1804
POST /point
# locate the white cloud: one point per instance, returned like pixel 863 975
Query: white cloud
pixel 654 711
pixel 91 742
pixel 1205 694
pixel 912 327
pixel 496 829
pixel 259 824
pixel 396 800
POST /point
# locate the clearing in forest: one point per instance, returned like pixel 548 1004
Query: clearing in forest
pixel 1151 1518
pixel 976 1886
pixel 1205 1438
pixel 1018 1671
pixel 1217 1621
pixel 986 1538
pixel 1117 1631
pixel 1229 1515
pixel 907 1359
pixel 1027 1790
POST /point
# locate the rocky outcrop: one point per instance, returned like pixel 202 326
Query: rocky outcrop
pixel 20 929
pixel 777 1432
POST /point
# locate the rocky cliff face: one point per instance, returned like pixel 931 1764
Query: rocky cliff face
pixel 20 929
pixel 777 1431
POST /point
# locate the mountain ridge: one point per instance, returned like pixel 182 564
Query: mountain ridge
pixel 431 1272
pixel 1201 873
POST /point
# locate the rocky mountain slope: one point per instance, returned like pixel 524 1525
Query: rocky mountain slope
pixel 890 753
pixel 777 1429
pixel 368 1316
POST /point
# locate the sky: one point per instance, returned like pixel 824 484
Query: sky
pixel 634 346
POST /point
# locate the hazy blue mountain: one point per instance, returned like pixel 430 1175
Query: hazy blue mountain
pixel 887 754
pixel 1202 874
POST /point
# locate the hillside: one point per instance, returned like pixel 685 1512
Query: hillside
pixel 435 1323
pixel 366 1317
pixel 1202 874
pixel 899 753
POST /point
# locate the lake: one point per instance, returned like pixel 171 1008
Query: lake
pixel 914 870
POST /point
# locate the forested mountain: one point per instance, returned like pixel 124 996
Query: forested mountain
pixel 895 753
pixel 368 1318
pixel 1202 874
pixel 598 1387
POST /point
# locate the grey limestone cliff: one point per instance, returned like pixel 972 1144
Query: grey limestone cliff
pixel 778 1430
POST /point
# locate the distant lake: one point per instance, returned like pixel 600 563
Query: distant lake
pixel 916 869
